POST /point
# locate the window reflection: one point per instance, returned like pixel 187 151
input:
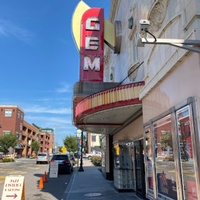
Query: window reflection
pixel 186 153
pixel 165 167
pixel 149 161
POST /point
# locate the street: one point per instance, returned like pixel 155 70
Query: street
pixel 54 188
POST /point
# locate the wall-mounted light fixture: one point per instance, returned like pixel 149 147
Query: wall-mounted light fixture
pixel 181 43
pixel 130 23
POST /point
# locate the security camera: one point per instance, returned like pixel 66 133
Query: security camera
pixel 144 26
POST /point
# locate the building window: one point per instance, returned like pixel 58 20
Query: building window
pixel 6 132
pixel 134 63
pixel 18 114
pixel 8 113
pixel 18 135
pixel 94 138
pixel 21 126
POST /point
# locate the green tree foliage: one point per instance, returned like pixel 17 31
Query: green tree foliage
pixel 166 139
pixel 60 149
pixel 35 145
pixel 6 141
pixel 71 143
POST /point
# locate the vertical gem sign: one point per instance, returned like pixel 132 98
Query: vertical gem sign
pixel 92 46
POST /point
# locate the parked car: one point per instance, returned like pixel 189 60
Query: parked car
pixel 42 158
pixel 65 164
pixel 90 155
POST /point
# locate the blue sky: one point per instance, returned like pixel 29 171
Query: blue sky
pixel 39 61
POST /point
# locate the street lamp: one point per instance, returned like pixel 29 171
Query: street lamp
pixel 80 133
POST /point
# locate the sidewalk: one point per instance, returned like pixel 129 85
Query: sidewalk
pixel 90 184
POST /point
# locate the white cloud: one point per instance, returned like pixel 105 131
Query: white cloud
pixel 8 29
pixel 61 125
pixel 65 88
pixel 42 110
pixel 50 121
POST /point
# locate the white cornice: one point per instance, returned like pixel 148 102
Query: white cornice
pixel 11 106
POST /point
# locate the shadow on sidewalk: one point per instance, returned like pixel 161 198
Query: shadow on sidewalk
pixel 54 186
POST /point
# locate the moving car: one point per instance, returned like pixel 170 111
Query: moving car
pixel 42 158
pixel 65 164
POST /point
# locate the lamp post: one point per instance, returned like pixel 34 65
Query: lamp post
pixel 80 133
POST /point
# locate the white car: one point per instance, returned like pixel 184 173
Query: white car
pixel 42 158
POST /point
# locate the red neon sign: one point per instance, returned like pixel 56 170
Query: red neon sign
pixel 92 45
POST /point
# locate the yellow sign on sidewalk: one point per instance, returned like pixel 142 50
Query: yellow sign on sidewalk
pixel 14 188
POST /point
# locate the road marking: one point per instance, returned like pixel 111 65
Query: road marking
pixel 33 168
pixel 17 172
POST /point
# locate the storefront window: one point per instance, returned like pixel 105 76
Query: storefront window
pixel 186 154
pixel 164 159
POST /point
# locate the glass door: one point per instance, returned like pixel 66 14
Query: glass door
pixel 186 154
pixel 139 169
pixel 149 164
pixel 164 159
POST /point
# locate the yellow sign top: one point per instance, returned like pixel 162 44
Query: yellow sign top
pixel 109 28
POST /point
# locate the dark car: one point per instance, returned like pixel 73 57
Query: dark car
pixel 65 164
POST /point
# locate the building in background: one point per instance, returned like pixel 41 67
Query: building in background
pixel 12 121
pixel 29 134
pixel 93 143
pixel 47 140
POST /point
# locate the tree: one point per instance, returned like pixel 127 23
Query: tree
pixel 6 141
pixel 60 149
pixel 35 145
pixel 71 143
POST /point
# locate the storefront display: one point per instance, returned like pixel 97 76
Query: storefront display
pixel 164 158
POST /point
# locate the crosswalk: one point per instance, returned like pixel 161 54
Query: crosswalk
pixel 8 172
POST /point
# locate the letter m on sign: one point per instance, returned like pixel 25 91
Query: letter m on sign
pixel 91 64
pixel 92 46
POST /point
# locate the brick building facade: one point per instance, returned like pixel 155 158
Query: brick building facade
pixel 12 121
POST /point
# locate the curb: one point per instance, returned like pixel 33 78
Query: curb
pixel 71 182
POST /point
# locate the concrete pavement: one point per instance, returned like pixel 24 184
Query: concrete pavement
pixel 90 184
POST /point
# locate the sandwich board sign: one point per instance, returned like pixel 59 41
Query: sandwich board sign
pixel 53 170
pixel 14 188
